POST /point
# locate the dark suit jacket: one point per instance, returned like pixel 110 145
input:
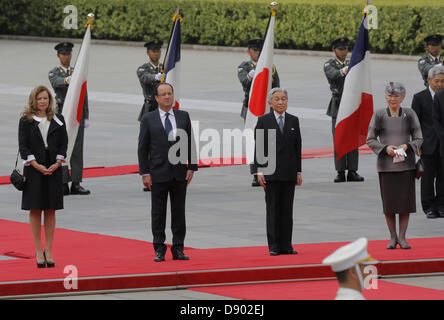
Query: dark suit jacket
pixel 288 147
pixel 423 105
pixel 438 118
pixel 154 146
pixel 31 140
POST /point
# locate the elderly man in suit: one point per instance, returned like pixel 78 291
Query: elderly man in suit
pixel 432 186
pixel 167 161
pixel 279 185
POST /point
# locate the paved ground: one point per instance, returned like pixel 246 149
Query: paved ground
pixel 222 209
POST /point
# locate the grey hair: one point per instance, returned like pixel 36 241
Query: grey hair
pixel 395 88
pixel 436 69
pixel 274 90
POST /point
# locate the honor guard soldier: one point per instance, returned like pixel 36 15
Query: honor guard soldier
pixel 150 75
pixel 335 70
pixel 348 263
pixel 433 45
pixel 245 73
pixel 59 77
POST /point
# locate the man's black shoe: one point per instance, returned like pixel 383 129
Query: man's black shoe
pixel 441 213
pixel 289 252
pixel 160 256
pixel 274 253
pixel 179 255
pixel 431 214
pixel 340 177
pixel 354 176
pixel 76 188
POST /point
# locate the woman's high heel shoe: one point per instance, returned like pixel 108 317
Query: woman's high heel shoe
pixel 49 264
pixel 392 246
pixel 40 264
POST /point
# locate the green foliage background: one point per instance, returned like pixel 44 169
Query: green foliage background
pixel 300 24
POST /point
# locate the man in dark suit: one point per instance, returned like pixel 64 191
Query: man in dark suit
pixel 167 161
pixel 437 80
pixel 432 201
pixel 279 181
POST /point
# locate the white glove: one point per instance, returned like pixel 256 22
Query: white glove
pixel 87 123
pixel 68 80
pixel 158 76
pixel 344 71
pixel 400 155
pixel 251 74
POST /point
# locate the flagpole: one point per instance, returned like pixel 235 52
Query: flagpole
pixel 273 7
pixel 175 17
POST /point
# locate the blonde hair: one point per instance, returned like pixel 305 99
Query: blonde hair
pixel 31 110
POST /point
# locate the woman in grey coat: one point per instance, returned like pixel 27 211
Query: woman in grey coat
pixel 394 134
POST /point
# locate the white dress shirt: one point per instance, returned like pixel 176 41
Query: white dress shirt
pixel 432 93
pixel 44 128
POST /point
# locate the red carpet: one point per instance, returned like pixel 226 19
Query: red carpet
pixel 95 172
pixel 131 264
pixel 320 290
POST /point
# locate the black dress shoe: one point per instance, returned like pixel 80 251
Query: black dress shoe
pixel 76 188
pixel 441 213
pixel 179 255
pixel 431 214
pixel 340 177
pixel 255 183
pixel 66 189
pixel 289 252
pixel 354 176
pixel 274 253
pixel 160 256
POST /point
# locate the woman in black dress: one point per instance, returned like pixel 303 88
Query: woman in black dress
pixel 43 142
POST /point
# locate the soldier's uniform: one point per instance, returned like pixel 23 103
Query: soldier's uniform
pixel 58 77
pixel 147 77
pixel 244 69
pixel 425 63
pixel 334 71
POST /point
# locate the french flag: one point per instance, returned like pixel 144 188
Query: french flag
pixel 172 61
pixel 261 84
pixel 75 97
pixel 356 107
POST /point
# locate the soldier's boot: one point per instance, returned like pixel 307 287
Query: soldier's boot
pixel 354 176
pixel 340 177
pixel 76 188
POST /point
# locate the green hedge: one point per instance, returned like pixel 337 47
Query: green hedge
pixel 300 24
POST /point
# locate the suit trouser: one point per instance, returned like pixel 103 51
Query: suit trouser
pixel 432 182
pixel 348 161
pixel 279 197
pixel 159 199
pixel 76 161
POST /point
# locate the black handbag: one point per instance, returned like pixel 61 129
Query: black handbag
pixel 17 179
pixel 419 168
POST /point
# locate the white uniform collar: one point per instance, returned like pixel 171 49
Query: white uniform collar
pixel 349 294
